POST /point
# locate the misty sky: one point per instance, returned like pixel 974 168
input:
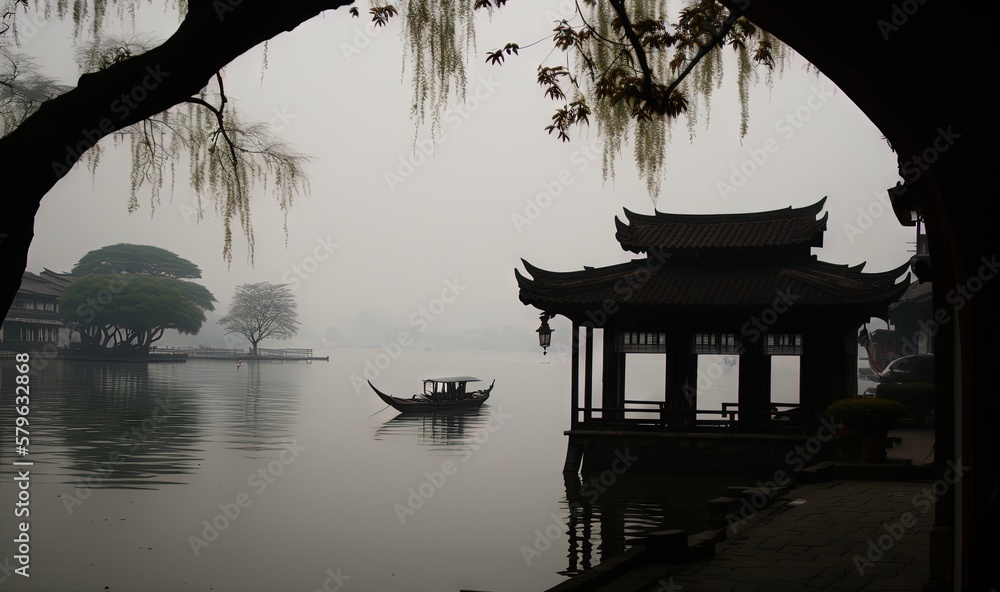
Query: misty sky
pixel 393 236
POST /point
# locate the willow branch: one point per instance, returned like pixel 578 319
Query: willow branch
pixel 727 26
pixel 640 51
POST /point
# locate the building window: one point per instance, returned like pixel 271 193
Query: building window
pixel 715 343
pixel 783 344
pixel 637 342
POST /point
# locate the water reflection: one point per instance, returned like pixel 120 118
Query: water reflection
pixel 607 513
pixel 142 426
pixel 110 427
pixel 270 408
pixel 452 431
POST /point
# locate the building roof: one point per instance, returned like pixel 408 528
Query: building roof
pixel 716 264
pixel 650 286
pixel 47 283
pixel 786 227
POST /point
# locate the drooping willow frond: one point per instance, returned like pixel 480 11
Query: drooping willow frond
pixel 638 67
pixel 228 160
pixel 438 36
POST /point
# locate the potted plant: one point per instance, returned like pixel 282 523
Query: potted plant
pixel 871 419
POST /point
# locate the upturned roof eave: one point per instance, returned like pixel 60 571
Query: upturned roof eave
pixel 809 234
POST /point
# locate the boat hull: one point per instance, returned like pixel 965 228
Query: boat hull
pixel 416 405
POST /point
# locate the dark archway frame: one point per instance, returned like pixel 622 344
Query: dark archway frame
pixel 909 67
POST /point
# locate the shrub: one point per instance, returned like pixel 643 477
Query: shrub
pixel 866 413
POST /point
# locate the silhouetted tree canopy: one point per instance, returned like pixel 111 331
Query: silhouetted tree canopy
pixel 144 259
pixel 131 311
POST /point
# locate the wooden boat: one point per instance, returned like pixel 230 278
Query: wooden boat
pixel 439 395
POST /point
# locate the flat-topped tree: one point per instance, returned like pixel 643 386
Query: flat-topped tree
pixel 126 296
pixel 128 258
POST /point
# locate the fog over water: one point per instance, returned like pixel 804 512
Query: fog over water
pixel 291 472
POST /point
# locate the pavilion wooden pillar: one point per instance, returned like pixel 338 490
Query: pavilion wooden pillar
pixel 848 375
pixel 681 380
pixel 755 386
pixel 689 362
pixel 613 387
pixel 588 377
pixel 816 389
pixel 810 371
pixel 575 379
pixel 829 368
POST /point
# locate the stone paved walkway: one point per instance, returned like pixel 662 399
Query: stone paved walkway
pixel 841 535
pixel 844 536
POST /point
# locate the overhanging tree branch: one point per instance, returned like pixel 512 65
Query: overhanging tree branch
pixel 211 35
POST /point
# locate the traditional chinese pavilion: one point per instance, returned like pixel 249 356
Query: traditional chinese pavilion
pixel 743 285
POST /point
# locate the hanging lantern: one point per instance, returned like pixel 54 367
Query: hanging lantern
pixel 544 332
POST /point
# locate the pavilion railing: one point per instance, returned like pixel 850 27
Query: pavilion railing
pixel 657 415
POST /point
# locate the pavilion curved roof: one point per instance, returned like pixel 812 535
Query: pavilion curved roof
pixel 653 285
pixel 785 227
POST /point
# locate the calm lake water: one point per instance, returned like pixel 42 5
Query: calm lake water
pixel 292 476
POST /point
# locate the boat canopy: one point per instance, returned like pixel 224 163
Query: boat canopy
pixel 453 379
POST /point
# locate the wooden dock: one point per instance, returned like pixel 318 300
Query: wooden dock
pixel 290 354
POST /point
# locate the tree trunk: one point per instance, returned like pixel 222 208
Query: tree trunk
pixel 54 138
